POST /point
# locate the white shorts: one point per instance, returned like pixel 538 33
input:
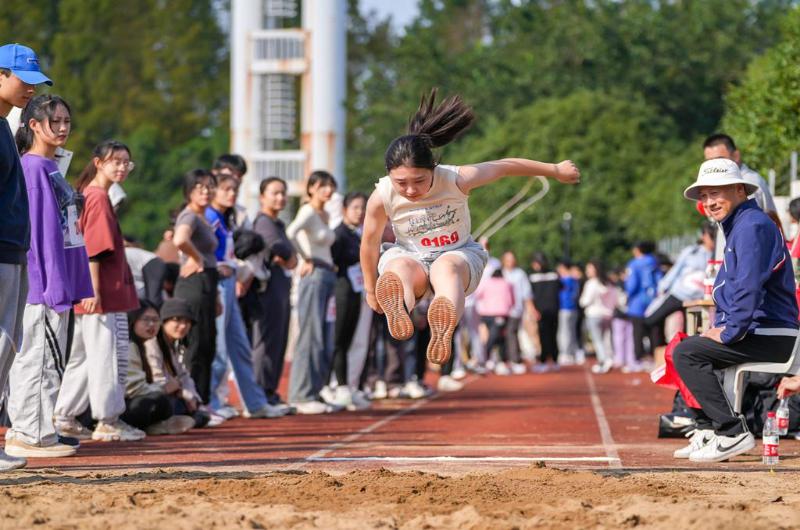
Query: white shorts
pixel 471 252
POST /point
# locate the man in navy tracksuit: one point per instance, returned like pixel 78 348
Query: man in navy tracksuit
pixel 756 317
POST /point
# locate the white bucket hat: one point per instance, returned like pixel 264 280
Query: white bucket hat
pixel 717 172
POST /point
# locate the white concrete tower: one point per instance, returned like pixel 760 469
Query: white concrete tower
pixel 274 66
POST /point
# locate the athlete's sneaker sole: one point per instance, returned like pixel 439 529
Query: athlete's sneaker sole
pixel 390 295
pixel 442 321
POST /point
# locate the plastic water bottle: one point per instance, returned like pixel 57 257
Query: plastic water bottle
pixel 708 281
pixel 782 416
pixel 769 439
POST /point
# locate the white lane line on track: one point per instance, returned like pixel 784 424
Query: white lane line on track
pixel 462 459
pixel 315 457
pixel 602 423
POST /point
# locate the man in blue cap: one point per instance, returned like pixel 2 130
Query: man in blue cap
pixel 19 75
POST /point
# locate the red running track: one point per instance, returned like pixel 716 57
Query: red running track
pixel 570 419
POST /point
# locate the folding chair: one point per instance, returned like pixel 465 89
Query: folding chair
pixel 734 375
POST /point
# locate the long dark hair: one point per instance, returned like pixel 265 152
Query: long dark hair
pixel 320 177
pixel 430 127
pixel 104 150
pixel 40 108
pixel 167 348
pixel 133 316
pixel 600 269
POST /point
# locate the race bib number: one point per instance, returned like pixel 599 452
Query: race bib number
pixel 439 241
pixel 356 277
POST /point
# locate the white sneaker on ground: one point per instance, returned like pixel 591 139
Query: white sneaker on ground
pixel 359 401
pixel 72 428
pixel 340 397
pixel 490 364
pixel 268 411
pixel 580 357
pixel 414 390
pixel 380 391
pixel 446 383
pixel 724 448
pixel 458 374
pixel 518 368
pixel 502 369
pixel 328 394
pixel 19 448
pixel 227 412
pixel 566 360
pixel 214 419
pixel 540 368
pixel 312 407
pixel 116 431
pixel 601 368
pixel 9 463
pixel 173 425
pixel 697 439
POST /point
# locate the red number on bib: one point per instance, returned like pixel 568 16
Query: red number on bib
pixel 439 241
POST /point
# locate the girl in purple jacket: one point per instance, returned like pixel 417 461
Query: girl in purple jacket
pixel 58 276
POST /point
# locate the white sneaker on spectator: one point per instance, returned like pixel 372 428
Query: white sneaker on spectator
pixel 458 374
pixel 580 357
pixel 214 419
pixel 490 364
pixel 177 424
pixel 414 390
pixel 360 401
pixel 697 439
pixel 312 407
pixel 601 368
pixel 566 360
pixel 518 368
pixel 328 394
pixel 21 449
pixel 724 447
pixel 340 397
pixel 72 428
pixel 116 431
pixel 9 463
pixel 540 368
pixel 380 391
pixel 268 411
pixel 227 412
pixel 502 369
pixel 447 383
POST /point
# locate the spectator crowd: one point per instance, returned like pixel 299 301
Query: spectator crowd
pixel 103 339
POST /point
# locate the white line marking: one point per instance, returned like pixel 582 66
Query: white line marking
pixel 463 459
pixel 605 431
pixel 374 426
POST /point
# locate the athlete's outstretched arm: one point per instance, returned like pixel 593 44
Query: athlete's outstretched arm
pixel 374 223
pixel 476 175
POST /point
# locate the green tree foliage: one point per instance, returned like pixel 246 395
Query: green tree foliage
pixel 763 112
pixel 151 73
pixel 622 146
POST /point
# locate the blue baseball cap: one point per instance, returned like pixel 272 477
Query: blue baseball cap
pixel 23 63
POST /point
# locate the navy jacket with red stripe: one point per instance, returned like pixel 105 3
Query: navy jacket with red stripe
pixel 754 290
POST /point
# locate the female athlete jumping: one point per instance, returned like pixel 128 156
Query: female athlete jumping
pixel 427 205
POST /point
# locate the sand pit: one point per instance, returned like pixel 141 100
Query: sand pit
pixel 534 497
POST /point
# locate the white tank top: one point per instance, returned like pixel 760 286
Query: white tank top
pixel 437 222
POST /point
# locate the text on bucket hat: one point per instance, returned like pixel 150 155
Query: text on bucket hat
pixel 23 63
pixel 718 172
pixel 176 308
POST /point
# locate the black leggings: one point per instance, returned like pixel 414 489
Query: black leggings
pixel 497 329
pixel 144 411
pixel 348 308
pixel 667 307
pixel 548 331
pixel 200 291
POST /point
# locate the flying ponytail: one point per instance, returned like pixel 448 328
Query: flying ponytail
pixel 430 127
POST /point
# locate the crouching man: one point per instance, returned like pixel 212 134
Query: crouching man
pixel 755 310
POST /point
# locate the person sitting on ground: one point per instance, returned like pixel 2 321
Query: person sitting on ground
pixel 164 353
pixel 755 310
pixel 147 406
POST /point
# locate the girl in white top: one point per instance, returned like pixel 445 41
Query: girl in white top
pixel 427 206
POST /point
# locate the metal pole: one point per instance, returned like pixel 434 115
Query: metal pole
pixel 772 181
pixel 566 224
pixel 793 166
